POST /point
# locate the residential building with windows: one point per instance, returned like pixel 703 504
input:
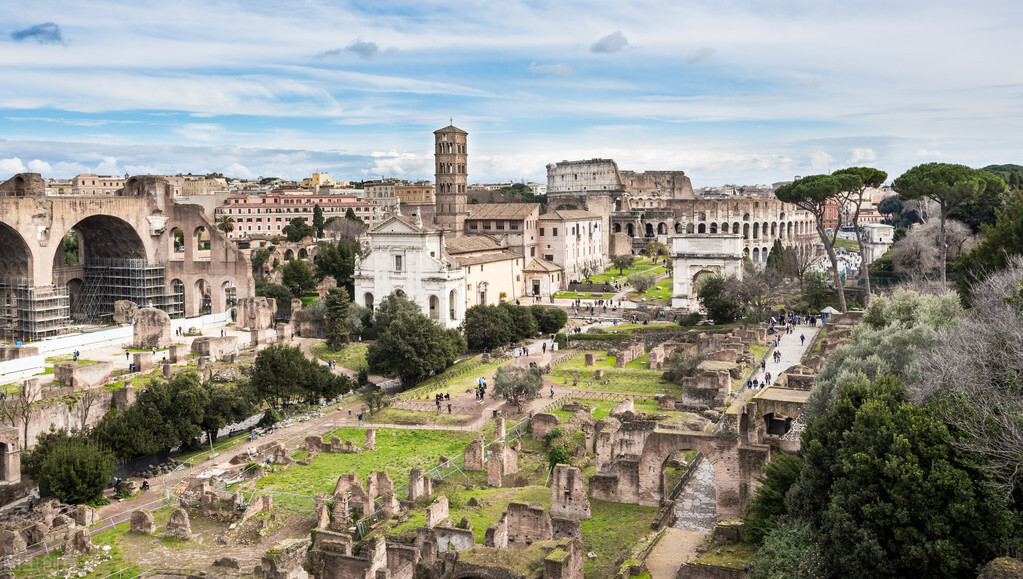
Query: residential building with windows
pixel 572 239
pixel 266 214
pixel 515 223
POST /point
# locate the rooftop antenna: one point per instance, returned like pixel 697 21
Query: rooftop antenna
pixel 451 121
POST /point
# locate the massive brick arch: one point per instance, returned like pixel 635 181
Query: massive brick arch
pixel 640 480
pixel 136 223
pixel 15 255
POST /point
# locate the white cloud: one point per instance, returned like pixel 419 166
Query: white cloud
pixel 11 166
pixel 559 69
pixel 614 42
pixel 238 170
pixel 862 154
pixel 41 167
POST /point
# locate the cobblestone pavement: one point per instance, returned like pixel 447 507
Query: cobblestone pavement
pixel 696 507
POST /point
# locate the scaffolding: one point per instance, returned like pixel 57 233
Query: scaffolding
pixel 109 280
pixel 32 313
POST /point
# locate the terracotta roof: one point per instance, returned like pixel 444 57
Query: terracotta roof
pixel 542 265
pixel 450 129
pixel 568 215
pixel 470 243
pixel 514 211
pixel 503 255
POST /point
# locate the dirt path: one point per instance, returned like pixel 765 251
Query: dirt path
pixel 675 548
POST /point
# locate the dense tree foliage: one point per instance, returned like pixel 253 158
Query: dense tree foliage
pixel 768 504
pixel 75 470
pixel 889 494
pixel 281 375
pixel 297 229
pixel 952 187
pixel 337 260
pixel 894 333
pixel 172 413
pixel 488 327
pixel 622 262
pixel 391 307
pixel 711 296
pixel 1001 242
pixel 413 347
pixel 517 384
pixel 1011 173
pixel 298 278
pixel 281 294
pixel 548 320
pixel 337 330
pixel 318 220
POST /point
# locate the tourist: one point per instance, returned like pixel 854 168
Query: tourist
pixel 552 391
pixel 145 485
pixel 802 339
pixel 360 418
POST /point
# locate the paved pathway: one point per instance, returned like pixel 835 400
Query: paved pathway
pixel 696 508
pixel 675 548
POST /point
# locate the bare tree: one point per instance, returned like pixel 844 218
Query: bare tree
pixel 797 259
pixel 976 369
pixel 918 255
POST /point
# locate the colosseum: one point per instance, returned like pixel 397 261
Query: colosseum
pixel 641 207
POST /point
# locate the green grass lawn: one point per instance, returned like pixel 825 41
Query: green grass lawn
pixel 397 451
pixel 633 379
pixel 847 244
pixel 353 356
pixel 611 274
pixel 308 300
pixel 658 295
pixel 609 534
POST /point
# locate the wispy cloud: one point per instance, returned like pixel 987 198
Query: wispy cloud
pixel 613 42
pixel 45 33
pixel 363 49
pixel 700 56
pixel 559 69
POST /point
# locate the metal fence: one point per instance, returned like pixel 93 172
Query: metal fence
pixel 675 492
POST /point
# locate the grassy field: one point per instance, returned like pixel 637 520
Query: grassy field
pixel 847 244
pixel 397 451
pixel 635 378
pixel 353 356
pixel 611 273
pixel 658 295
pixel 610 532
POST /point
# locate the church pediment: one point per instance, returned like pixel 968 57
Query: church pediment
pixel 395 225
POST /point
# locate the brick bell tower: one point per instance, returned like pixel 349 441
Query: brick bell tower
pixel 452 174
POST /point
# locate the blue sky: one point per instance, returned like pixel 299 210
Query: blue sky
pixel 730 92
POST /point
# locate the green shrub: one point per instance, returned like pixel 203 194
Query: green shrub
pixel 270 417
pixel 76 472
pixel 560 340
pixel 554 434
pixel 558 454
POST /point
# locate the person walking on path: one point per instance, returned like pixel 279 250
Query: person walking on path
pixel 360 418
pixel 802 339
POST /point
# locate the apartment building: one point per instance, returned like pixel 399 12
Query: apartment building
pixel 266 214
